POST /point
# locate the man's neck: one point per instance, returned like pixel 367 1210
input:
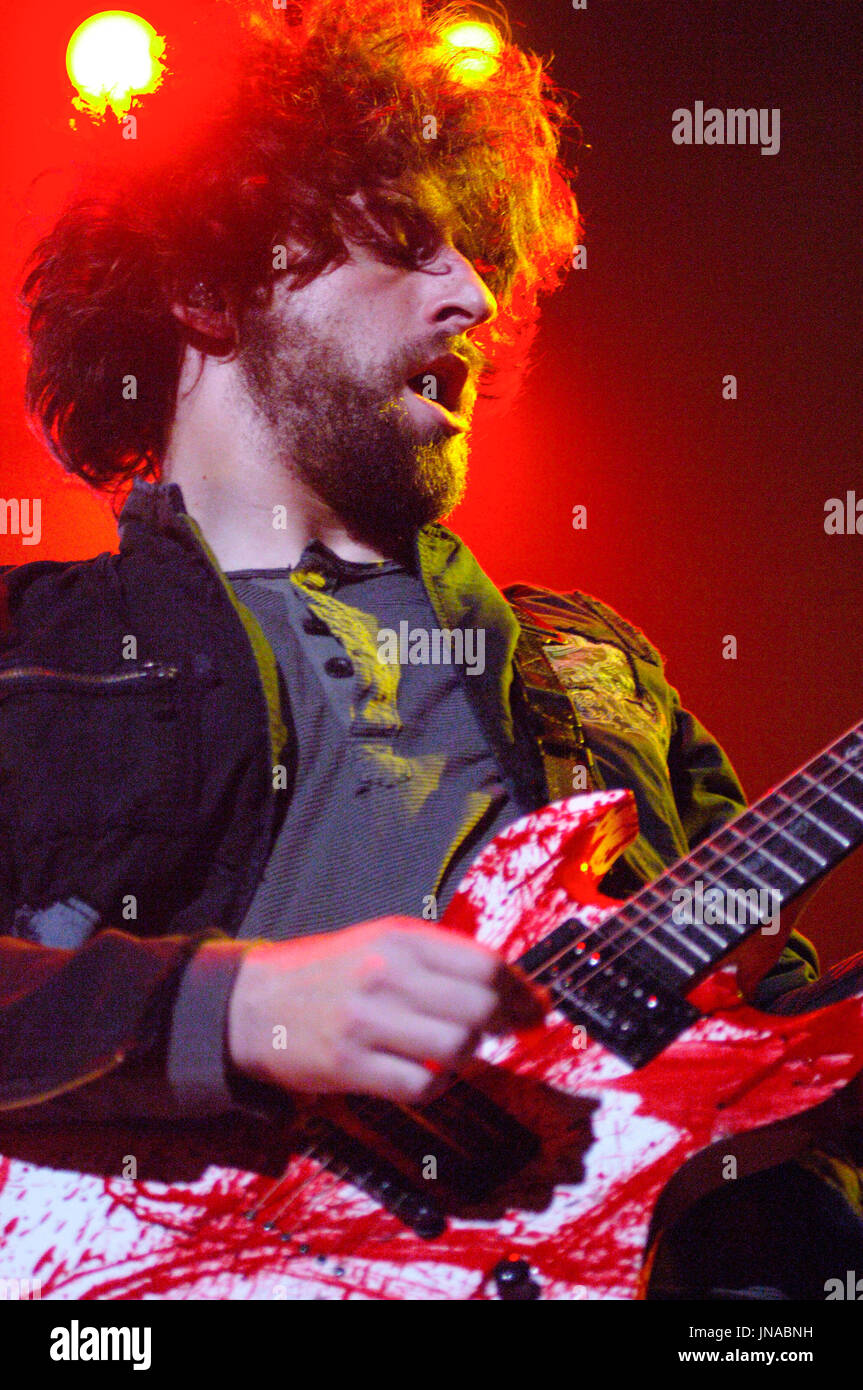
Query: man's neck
pixel 255 518
pixel 254 513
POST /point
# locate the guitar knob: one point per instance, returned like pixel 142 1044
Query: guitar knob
pixel 515 1281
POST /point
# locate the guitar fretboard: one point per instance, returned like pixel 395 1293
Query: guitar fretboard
pixel 761 860
pixel 626 980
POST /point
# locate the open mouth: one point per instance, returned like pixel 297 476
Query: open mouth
pixel 442 379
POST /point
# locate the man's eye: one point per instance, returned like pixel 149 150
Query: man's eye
pixel 420 243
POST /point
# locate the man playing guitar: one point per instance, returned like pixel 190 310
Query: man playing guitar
pixel 229 895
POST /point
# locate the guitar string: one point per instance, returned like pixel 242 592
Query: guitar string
pixel 629 934
pixel 315 1152
pixel 772 827
pixel 584 962
pixel 335 1176
pixel 631 929
pixel 325 1176
pixel 767 828
pixel 324 1160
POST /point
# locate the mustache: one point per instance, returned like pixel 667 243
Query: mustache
pixel 475 359
pixel 471 353
pixel 480 364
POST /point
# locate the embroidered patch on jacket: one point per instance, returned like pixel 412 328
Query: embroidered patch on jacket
pixel 599 679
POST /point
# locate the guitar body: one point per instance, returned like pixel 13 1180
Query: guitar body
pixel 551 1150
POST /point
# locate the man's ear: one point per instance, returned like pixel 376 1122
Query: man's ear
pixel 206 312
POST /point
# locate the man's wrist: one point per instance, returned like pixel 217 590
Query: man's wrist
pixel 197 1049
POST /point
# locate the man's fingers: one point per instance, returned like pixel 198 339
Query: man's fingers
pixel 394 1078
pixel 520 1002
pixel 395 1027
pixel 444 997
pixel 449 953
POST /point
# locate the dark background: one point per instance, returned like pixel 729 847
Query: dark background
pixel 705 516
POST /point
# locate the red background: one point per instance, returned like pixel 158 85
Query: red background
pixel 705 517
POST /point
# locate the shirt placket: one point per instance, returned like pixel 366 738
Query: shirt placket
pixel 361 689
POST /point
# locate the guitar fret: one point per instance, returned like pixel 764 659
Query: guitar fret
pixel 744 870
pixel 800 844
pixel 773 832
pixel 838 821
pixel 690 926
pixel 679 940
pixel 762 853
pixel 756 853
pixel 851 748
pixel 642 928
pixel 834 795
pixel 849 772
pixel 670 954
pixel 749 868
pixel 733 925
pixel 743 916
pixel 686 934
pixel 828 829
pixel 785 868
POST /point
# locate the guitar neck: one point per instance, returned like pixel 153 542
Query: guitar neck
pixel 627 979
pixel 737 881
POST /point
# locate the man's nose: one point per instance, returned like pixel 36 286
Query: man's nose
pixel 457 295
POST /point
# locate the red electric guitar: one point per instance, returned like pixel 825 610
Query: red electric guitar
pixel 538 1172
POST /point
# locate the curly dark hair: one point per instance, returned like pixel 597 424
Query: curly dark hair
pixel 321 102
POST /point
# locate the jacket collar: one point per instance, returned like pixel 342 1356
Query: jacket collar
pixel 460 592
pixel 158 506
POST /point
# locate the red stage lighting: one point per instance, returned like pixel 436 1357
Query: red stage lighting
pixel 112 58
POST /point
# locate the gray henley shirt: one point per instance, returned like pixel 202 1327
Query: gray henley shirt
pixel 395 789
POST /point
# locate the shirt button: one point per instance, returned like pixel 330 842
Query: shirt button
pixel 316 626
pixel 339 666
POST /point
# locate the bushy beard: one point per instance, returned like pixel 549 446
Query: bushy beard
pixel 352 442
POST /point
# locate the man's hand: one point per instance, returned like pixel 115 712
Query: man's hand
pixel 380 1009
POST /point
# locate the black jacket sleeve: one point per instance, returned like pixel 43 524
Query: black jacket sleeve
pixel 83 1032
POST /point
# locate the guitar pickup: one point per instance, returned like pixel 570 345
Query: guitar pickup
pixel 619 1003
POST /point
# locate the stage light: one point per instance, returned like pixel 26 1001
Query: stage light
pixel 477 46
pixel 111 58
